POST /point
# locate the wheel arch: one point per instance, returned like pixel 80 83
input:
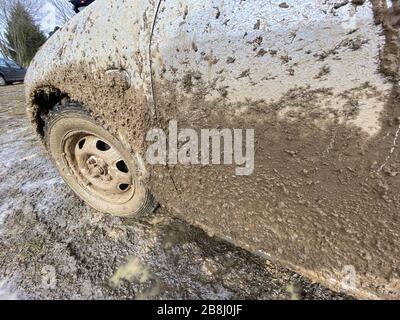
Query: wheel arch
pixel 41 102
pixel 2 74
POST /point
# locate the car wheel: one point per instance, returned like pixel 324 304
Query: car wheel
pixel 2 81
pixel 95 164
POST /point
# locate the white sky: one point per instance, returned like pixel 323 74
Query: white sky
pixel 49 20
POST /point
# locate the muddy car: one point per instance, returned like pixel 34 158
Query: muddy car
pixel 313 85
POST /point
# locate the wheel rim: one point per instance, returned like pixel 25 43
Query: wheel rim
pixel 99 167
pixel 2 81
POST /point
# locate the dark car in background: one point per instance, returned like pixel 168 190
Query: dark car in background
pixel 79 5
pixel 10 72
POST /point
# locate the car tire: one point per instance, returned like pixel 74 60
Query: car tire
pixel 94 163
pixel 3 81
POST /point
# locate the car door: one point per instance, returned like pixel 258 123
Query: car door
pixel 18 72
pixel 292 73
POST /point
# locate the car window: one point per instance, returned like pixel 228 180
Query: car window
pixel 3 63
pixel 12 64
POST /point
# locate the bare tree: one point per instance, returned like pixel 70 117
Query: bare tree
pixel 20 35
pixel 32 6
pixel 64 10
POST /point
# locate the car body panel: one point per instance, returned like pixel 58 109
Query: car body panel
pixel 306 77
pixel 314 79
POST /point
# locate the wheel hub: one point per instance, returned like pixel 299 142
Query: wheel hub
pixel 99 166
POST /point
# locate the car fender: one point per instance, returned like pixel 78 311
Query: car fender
pixel 101 59
pixel 318 83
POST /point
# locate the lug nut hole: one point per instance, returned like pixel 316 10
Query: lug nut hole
pixel 123 186
pixel 102 146
pixel 121 166
pixel 81 143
